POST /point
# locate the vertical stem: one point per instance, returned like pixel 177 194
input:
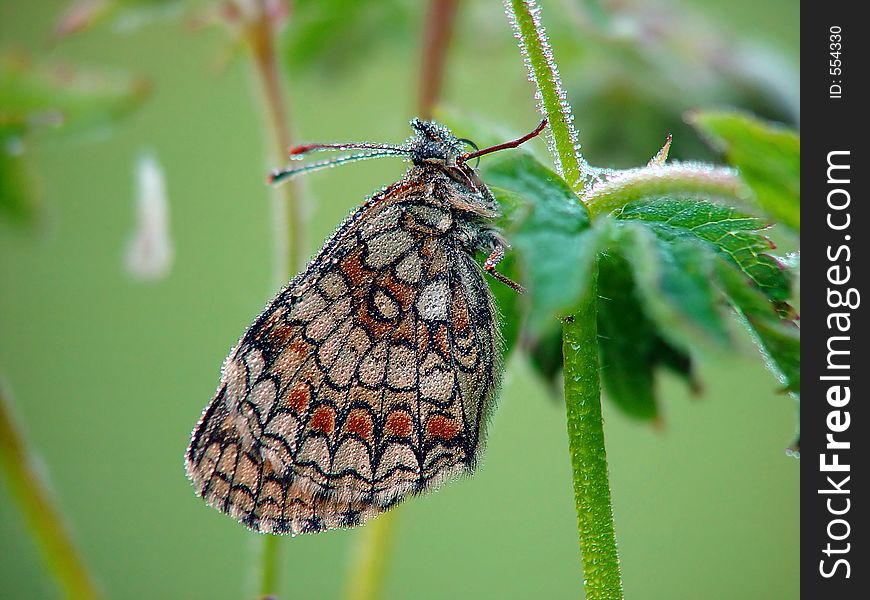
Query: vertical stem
pixel 289 215
pixel 369 564
pixel 525 16
pixel 268 576
pixel 439 29
pixel 44 519
pixel 579 332
pixel 586 444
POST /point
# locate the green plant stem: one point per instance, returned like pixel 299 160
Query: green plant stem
pixel 680 179
pixel 26 483
pixel 525 17
pixel 268 576
pixel 369 563
pixel 586 444
pixel 289 216
pixel 602 578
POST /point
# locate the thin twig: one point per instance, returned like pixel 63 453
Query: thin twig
pixel 28 488
pixel 289 214
pixel 439 30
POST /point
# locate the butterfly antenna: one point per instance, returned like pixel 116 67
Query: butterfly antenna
pixel 279 175
pixel 298 151
pixel 512 144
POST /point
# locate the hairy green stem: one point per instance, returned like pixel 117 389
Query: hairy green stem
pixel 28 488
pixel 679 179
pixel 602 578
pixel 525 16
pixel 586 443
pixel 268 561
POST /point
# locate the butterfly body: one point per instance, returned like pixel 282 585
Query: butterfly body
pixel 370 376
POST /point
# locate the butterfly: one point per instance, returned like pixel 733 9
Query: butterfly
pixel 369 377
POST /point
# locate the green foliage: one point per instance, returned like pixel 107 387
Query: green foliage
pixel 777 336
pixel 544 222
pixel 122 15
pixel 734 235
pixel 768 156
pixel 668 266
pixel 631 346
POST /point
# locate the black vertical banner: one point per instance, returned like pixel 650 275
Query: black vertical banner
pixel 835 55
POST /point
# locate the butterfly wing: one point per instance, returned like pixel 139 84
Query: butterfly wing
pixel 366 380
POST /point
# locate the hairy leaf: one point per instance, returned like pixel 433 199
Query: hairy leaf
pixel 768 156
pixel 674 281
pixel 777 338
pixel 630 345
pixel 733 234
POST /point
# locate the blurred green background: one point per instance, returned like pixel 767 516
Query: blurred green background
pixel 109 374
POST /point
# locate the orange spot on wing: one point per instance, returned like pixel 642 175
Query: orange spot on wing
pixel 442 427
pixel 323 419
pixel 405 331
pixel 441 340
pixel 353 268
pixel 398 424
pixel 299 397
pixel 405 294
pixel 359 423
pixel 459 312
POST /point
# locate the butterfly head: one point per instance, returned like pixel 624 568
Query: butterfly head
pixel 433 144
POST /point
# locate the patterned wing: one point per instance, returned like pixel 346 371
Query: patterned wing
pixel 365 381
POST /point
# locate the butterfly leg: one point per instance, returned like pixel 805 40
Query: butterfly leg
pixel 493 259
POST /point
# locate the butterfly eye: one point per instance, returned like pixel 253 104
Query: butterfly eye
pixel 468 142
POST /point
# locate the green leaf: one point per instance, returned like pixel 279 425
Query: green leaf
pixel 777 338
pixel 631 348
pixel 19 189
pixel 768 156
pixel 734 235
pixel 674 281
pixel 544 221
pixel 39 98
